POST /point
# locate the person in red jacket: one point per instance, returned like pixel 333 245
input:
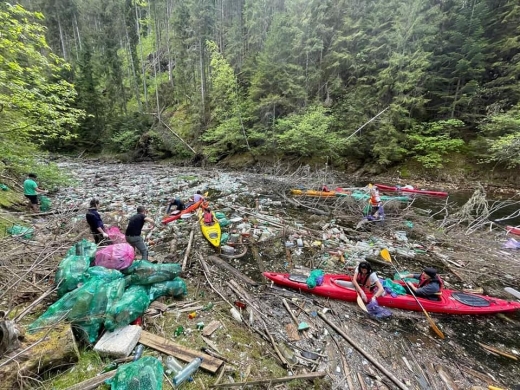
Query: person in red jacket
pixel 430 284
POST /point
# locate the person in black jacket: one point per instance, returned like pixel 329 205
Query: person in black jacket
pixel 97 228
pixel 134 229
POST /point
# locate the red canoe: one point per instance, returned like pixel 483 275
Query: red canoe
pixel 513 230
pixel 192 207
pixel 383 187
pixel 452 302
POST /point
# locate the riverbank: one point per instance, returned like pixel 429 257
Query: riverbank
pixel 327 228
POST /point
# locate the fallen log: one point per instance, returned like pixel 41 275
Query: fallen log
pixel 39 353
pixel 188 250
pixel 93 383
pixel 238 275
pixel 311 376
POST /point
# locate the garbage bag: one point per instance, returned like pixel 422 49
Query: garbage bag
pixel 315 278
pixel 512 244
pixel 116 256
pixel 22 231
pixel 115 235
pixel 83 248
pixel 376 311
pixel 175 288
pixel 45 203
pixel 143 374
pixel 393 288
pixel 143 272
pixel 131 305
pixel 70 273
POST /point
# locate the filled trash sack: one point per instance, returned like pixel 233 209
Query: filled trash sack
pixel 126 309
pixel 115 235
pixel 175 288
pixel 21 231
pixel 376 311
pixel 45 203
pixel 116 256
pixel 143 374
pixel 143 272
pixel 71 269
pixel 315 278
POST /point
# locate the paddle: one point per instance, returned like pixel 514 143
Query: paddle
pixel 386 256
pixel 360 303
pixel 513 292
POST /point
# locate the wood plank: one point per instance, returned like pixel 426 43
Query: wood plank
pixel 292 332
pixel 212 327
pixel 209 363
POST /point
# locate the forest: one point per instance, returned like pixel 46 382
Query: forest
pixel 348 82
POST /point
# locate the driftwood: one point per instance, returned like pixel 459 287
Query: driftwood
pixel 236 273
pixel 9 337
pixel 391 376
pixel 55 348
pixel 188 250
pixel 93 383
pixel 311 376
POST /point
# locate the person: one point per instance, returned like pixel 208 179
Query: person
pixel 97 228
pixel 208 216
pixel 375 202
pixel 179 206
pixel 430 284
pixel 324 188
pixel 198 196
pixel 365 277
pixel 134 229
pixel 31 190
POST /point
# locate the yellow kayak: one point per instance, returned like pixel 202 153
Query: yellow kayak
pixel 210 231
pixel 313 193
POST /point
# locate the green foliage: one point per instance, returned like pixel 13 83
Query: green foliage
pixel 503 132
pixel 306 134
pixel 431 143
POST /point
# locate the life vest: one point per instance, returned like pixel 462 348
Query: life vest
pixel 208 218
pixel 362 279
pixel 375 199
pixel 424 281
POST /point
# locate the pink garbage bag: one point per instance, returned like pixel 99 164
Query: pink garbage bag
pixel 115 235
pixel 116 256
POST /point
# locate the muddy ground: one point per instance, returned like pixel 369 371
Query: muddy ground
pixel 267 226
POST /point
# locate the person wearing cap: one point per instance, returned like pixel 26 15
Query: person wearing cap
pixel 31 190
pixel 134 229
pixel 366 278
pixel 430 284
pixel 97 228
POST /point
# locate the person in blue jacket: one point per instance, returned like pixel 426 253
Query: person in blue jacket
pixel 97 228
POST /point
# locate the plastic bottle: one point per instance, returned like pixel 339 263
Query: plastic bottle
pixel 173 365
pixel 138 352
pixel 236 314
pixel 187 371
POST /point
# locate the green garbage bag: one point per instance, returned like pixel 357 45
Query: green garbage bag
pixel 45 203
pixel 131 305
pixel 70 273
pixel 175 288
pixel 219 215
pixel 143 272
pixel 22 231
pixel 143 374
pixel 3 187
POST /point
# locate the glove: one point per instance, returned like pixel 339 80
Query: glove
pixel 105 235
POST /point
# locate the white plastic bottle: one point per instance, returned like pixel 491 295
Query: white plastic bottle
pixel 187 371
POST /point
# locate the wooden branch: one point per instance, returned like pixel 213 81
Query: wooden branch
pixel 229 268
pixel 312 375
pixel 396 381
pixel 93 383
pixel 188 250
pixel 175 134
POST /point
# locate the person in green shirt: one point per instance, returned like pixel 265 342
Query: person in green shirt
pixel 31 190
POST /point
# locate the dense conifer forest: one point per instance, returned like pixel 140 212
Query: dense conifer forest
pixel 292 78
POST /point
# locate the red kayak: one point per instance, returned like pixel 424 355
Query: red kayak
pixel 513 230
pixel 452 302
pixel 383 187
pixel 189 209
